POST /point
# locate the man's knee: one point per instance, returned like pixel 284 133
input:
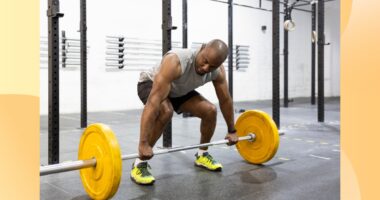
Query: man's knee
pixel 166 113
pixel 209 112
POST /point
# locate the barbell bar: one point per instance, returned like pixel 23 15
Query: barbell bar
pixel 80 164
pixel 67 166
pixel 100 159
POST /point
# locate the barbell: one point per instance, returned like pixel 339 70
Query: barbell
pixel 100 159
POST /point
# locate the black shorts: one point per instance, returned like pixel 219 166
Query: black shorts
pixel 144 88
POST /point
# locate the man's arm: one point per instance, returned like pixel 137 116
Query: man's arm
pixel 169 71
pixel 225 103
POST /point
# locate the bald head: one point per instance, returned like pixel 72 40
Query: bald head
pixel 219 49
pixel 211 56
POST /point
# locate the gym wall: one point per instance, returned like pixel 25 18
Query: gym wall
pixel 116 90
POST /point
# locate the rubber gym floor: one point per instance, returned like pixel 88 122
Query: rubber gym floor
pixel 306 166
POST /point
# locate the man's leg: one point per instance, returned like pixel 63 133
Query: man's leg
pixel 166 113
pixel 206 111
pixel 200 107
pixel 140 170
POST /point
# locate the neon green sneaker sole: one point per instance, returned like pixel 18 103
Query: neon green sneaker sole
pixel 215 169
pixel 141 175
pixel 206 161
pixel 143 183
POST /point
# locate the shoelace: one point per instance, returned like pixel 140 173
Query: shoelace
pixel 210 159
pixel 143 169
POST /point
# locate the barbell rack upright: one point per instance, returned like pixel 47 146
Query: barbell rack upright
pixel 53 15
pixel 167 46
pixel 321 61
pixel 276 62
pixel 83 63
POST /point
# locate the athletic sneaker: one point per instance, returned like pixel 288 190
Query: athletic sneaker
pixel 141 175
pixel 208 162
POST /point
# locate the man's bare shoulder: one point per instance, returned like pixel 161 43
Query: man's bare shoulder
pixel 171 57
pixel 170 66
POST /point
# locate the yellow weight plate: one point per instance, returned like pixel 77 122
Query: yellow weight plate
pixel 102 181
pixel 267 139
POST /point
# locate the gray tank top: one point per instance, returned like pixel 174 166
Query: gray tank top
pixel 189 79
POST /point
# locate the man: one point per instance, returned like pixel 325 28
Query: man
pixel 170 86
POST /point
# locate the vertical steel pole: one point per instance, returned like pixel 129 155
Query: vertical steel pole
pixel 313 28
pixel 83 62
pixel 276 62
pixel 321 61
pixel 230 47
pixel 184 24
pixel 166 46
pixel 286 57
pixel 53 68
